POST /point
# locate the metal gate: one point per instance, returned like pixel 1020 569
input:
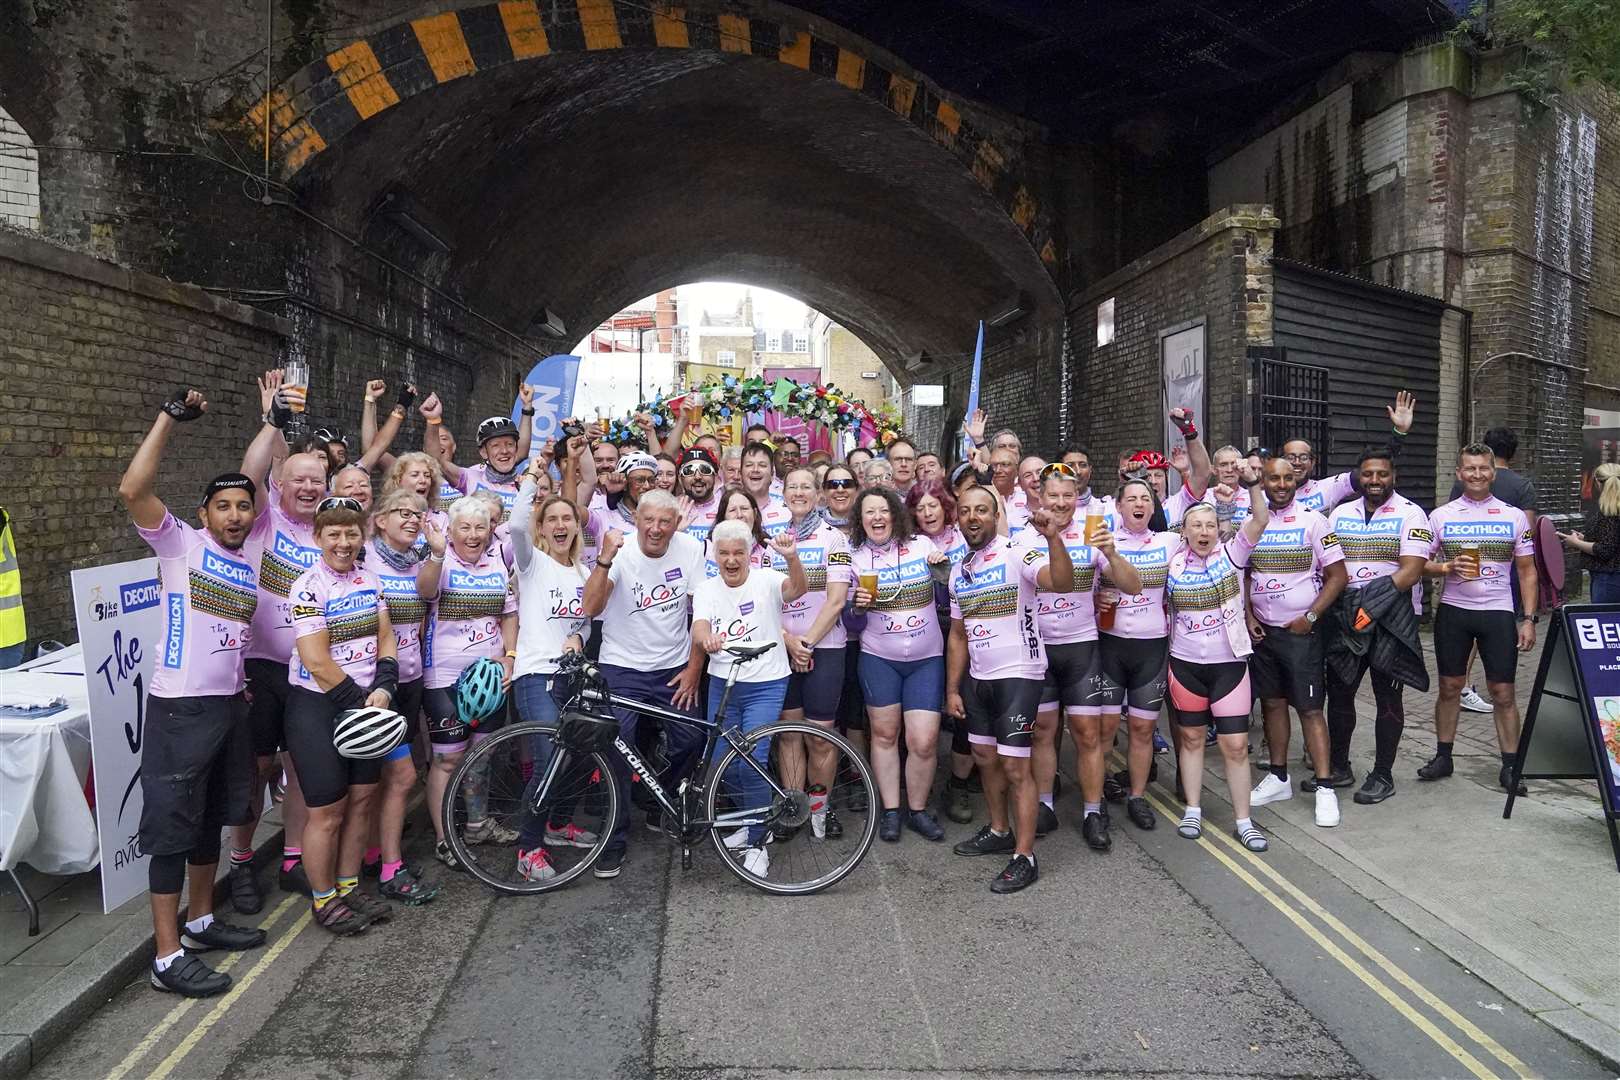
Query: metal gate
pixel 1290 402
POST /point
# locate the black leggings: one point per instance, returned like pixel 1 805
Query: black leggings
pixel 1389 716
pixel 166 874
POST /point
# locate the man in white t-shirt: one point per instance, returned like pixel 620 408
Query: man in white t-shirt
pixel 742 605
pixel 642 592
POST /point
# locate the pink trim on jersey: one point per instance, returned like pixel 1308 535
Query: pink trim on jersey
pixel 903 624
pixel 1285 569
pixel 1143 616
pixel 464 623
pixel 1500 532
pixel 344 604
pixel 286 548
pixel 208 594
pixel 993 593
pixel 824 554
pixel 1323 495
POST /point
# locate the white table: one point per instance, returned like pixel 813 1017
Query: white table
pixel 45 820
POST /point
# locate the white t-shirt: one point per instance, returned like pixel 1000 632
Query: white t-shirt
pixel 551 606
pixel 644 624
pixel 749 614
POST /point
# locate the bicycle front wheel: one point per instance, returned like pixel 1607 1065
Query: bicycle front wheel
pixel 783 845
pixel 525 815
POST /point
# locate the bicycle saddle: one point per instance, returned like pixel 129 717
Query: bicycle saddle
pixel 745 653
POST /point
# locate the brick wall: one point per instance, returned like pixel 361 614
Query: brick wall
pixel 89 351
pixel 19 175
pixel 1218 272
pixel 847 359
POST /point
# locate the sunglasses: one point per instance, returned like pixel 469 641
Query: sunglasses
pixel 697 468
pixel 1058 468
pixel 338 502
pixel 839 483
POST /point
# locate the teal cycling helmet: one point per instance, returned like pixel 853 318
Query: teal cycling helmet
pixel 478 691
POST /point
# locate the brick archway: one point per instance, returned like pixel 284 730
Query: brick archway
pixel 317 106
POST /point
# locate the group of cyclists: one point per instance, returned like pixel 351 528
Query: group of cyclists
pixel 312 612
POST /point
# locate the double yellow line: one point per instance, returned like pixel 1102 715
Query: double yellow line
pixel 1240 860
pixel 217 1012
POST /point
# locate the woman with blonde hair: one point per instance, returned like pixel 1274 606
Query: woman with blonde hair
pixel 1598 538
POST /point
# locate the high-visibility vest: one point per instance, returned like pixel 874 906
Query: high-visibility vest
pixel 13 628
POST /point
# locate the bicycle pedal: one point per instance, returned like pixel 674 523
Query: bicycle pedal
pixel 686 859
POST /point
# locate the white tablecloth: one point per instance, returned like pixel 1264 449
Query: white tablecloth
pixel 44 818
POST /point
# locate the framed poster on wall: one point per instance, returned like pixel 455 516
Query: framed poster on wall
pixel 1183 363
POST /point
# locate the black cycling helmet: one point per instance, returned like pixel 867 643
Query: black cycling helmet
pixel 328 433
pixel 494 427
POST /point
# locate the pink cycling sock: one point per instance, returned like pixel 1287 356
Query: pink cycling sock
pixel 389 869
pixel 372 855
pixel 290 857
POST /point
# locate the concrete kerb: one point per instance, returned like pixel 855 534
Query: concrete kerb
pixel 32 1028
pixel 1552 1009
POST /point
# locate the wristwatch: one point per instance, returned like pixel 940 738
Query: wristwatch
pixel 1531 619
pixel 1310 617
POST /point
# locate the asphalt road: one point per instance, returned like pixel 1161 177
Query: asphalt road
pixel 1162 958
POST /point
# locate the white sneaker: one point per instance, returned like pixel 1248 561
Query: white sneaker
pixel 738 840
pixel 1327 808
pixel 757 861
pixel 1270 790
pixel 1473 702
pixel 818 825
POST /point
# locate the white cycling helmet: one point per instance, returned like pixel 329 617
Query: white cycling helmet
pixel 636 459
pixel 368 733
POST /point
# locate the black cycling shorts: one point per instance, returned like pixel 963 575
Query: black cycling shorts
pixel 267 704
pixel 324 775
pixel 852 706
pixel 1001 713
pixel 408 703
pixel 1291 666
pixel 1201 693
pixel 446 733
pixel 1457 630
pixel 818 690
pixel 197 772
pixel 1070 676
pixel 1131 673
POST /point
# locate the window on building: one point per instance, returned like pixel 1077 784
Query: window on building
pixel 801 343
pixel 1105 322
pixel 726 357
pixel 19 175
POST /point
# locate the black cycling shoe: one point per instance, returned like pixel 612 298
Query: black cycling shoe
pixel 958 801
pixel 609 863
pixel 218 935
pixel 1438 768
pixel 1046 819
pixel 1505 777
pixel 190 977
pixel 245 895
pixel 1019 874
pixel 925 825
pixel 295 880
pixel 1115 785
pixel 1095 830
pixel 986 842
pixel 1140 813
pixel 856 799
pixel 1375 789
pixel 372 870
pixel 889 826
pixel 835 828
pixel 782 833
pixel 1342 777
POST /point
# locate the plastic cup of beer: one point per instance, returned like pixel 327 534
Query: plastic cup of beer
pixel 1107 604
pixel 1473 554
pixel 869 582
pixel 295 376
pixel 1095 524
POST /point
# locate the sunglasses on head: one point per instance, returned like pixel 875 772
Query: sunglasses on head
pixel 697 468
pixel 338 502
pixel 1058 468
pixel 838 483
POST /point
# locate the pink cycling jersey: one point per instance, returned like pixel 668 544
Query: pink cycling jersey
pixel 993 592
pixel 1177 505
pixel 903 624
pixel 208 593
pixel 1374 544
pixel 774 515
pixel 824 554
pixel 1206 602
pixel 476 478
pixel 700 519
pixel 464 621
pixel 344 604
pixel 288 549
pixel 1143 616
pixel 1018 509
pixel 1323 495
pixel 951 541
pixel 1285 570
pixel 1499 532
pixel 406 611
pixel 1067 617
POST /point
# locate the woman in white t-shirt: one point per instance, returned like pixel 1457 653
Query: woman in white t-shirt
pixel 545 545
pixel 742 605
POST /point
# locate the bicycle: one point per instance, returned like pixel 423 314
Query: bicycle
pixel 571 803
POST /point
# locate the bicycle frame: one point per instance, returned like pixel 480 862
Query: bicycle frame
pixel 714 734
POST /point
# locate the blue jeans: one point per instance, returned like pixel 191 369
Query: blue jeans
pixel 537 702
pixel 12 655
pixel 752 706
pixel 682 742
pixel 1605 588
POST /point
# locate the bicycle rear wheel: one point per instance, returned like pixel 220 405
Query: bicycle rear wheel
pixel 804 852
pixel 563 830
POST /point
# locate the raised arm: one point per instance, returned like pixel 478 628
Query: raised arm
pixel 1058 573
pixel 374 444
pixel 1200 467
pixel 138 488
pixel 786 545
pixel 600 585
pixel 432 411
pixel 521 517
pixel 1259 511
pixel 525 421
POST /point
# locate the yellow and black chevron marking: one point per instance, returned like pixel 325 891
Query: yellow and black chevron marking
pixel 320 104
